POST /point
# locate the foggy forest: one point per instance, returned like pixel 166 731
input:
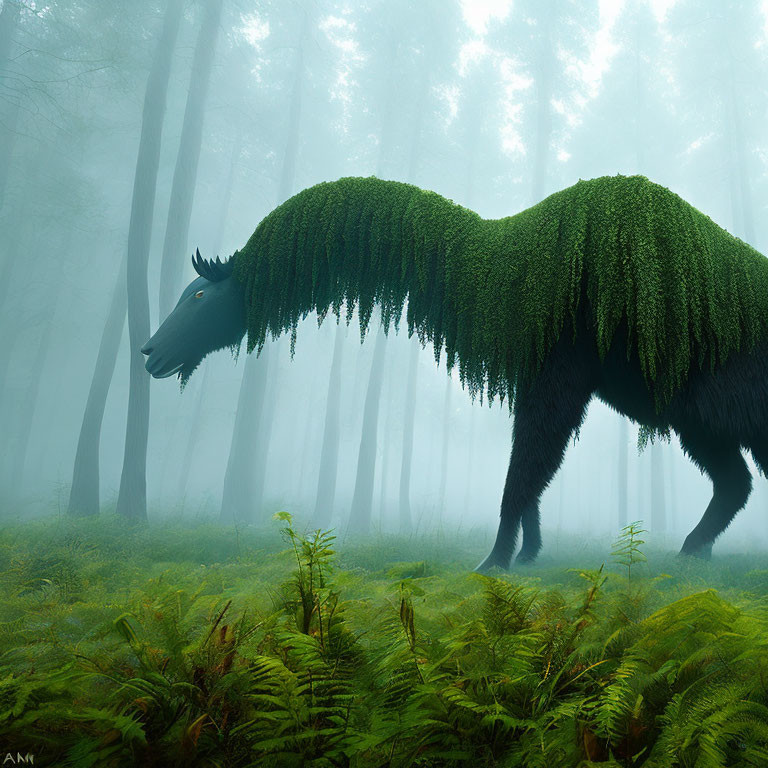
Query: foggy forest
pixel 491 106
pixel 340 484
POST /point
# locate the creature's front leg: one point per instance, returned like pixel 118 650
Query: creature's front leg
pixel 546 415
pixel 531 523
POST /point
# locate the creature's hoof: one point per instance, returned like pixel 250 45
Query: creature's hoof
pixel 525 558
pixel 491 562
pixel 701 553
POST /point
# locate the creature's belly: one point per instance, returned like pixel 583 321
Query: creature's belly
pixel 621 386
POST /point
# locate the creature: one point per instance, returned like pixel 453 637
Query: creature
pixel 614 287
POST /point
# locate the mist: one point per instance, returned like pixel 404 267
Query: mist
pixel 136 133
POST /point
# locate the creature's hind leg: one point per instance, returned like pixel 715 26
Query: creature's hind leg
pixel 546 415
pixel 731 486
pixel 531 524
pixel 759 451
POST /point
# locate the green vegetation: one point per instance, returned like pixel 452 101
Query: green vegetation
pixel 497 294
pixel 175 645
pixel 626 550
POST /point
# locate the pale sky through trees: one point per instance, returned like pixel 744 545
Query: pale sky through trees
pixel 486 102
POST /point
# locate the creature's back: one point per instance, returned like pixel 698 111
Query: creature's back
pixel 690 292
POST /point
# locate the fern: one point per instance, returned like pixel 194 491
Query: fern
pixel 409 663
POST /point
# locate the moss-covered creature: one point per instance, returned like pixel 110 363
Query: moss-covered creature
pixel 614 287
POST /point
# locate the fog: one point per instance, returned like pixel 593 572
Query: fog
pixel 494 104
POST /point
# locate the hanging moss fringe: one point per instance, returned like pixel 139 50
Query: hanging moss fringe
pixel 498 293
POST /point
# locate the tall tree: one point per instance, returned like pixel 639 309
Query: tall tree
pixel 20 239
pixel 544 35
pixel 622 500
pixel 84 493
pixel 738 144
pixel 441 488
pixel 240 502
pixel 409 416
pixel 197 413
pixel 28 406
pixel 193 437
pixel 389 97
pixel 642 29
pixel 406 517
pixel 251 446
pixel 9 18
pixel 362 497
pixel 658 501
pixel 477 114
pixel 9 112
pixel 184 182
pixel 47 317
pixel 132 497
pixel 329 450
pixel 543 60
pixel 9 107
pixel 718 49
pixel 187 159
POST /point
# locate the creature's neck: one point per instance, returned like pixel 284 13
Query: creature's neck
pixel 357 242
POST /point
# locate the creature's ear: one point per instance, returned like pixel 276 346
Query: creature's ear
pixel 213 271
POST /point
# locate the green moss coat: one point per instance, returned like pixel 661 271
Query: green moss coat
pixel 498 293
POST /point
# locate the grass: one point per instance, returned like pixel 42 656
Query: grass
pixel 182 645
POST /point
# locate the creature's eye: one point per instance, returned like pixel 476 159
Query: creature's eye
pixel 199 295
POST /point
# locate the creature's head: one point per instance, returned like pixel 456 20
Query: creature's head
pixel 210 315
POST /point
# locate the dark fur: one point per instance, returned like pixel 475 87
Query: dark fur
pixel 715 415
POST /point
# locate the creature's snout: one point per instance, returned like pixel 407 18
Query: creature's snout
pixel 147 350
pixel 156 364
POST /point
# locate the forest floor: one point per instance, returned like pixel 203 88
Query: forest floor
pixel 196 645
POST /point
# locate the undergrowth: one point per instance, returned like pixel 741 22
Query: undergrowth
pixel 190 646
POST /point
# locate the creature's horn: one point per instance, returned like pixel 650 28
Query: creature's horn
pixel 214 271
pixel 198 263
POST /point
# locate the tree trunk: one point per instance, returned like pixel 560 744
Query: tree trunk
pixel 238 499
pixel 8 124
pixel 187 159
pixel 265 430
pixel 28 406
pixel 409 421
pixel 197 413
pixel 13 246
pixel 329 452
pixel 226 198
pixel 132 497
pixel 362 498
pixel 31 397
pixel 658 506
pixel 741 193
pixel 639 113
pixel 193 437
pixel 542 137
pixel 288 171
pixel 84 494
pixel 9 110
pixel 9 18
pixel 406 518
pixel 386 451
pixel 623 498
pixel 561 499
pixel 468 485
pixel 444 448
pixel 253 444
pixel 389 122
pixel 672 474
